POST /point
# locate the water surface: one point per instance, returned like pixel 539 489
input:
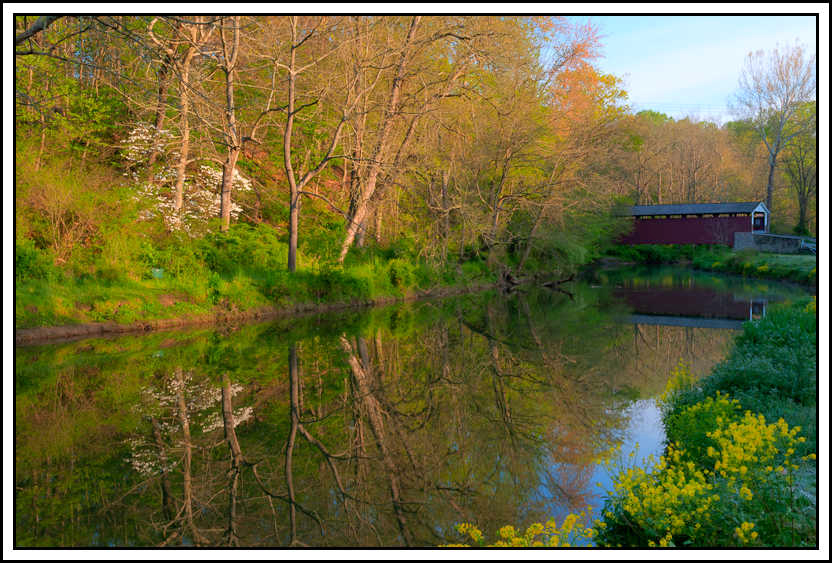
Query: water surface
pixel 383 427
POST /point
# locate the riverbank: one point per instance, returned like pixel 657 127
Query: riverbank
pixel 797 268
pixel 740 468
pixel 230 315
pixel 224 277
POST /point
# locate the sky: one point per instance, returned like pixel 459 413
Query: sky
pixel 689 65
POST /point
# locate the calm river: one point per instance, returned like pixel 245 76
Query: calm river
pixel 384 427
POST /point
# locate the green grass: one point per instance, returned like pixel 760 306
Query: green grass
pixel 751 263
pixel 231 272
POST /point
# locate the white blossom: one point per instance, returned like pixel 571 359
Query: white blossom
pixel 202 197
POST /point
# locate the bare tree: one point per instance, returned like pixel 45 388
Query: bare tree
pixel 299 179
pixel 772 87
pixel 392 110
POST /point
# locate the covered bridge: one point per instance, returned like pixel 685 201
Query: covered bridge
pixel 695 223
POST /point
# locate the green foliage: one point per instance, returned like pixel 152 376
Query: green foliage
pixel 32 263
pixel 322 242
pixel 729 478
pixel 253 248
pixel 402 273
pixel 335 284
pixel 655 117
pixel 691 426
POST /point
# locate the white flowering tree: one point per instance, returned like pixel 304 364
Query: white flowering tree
pixel 201 189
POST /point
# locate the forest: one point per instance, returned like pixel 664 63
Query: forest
pixel 170 165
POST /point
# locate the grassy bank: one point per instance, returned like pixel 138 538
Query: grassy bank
pixel 749 263
pixel 739 469
pixel 223 273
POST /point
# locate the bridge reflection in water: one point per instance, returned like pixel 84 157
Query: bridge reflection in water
pixel 697 307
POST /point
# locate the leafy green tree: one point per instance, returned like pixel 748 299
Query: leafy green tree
pixel 800 163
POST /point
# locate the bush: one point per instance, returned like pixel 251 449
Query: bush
pixel 32 263
pixel 244 247
pixel 401 273
pixel 743 492
pixel 692 425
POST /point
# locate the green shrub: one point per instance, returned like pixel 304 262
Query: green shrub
pixel 335 284
pixel 401 273
pixel 32 263
pixel 690 426
pixel 244 247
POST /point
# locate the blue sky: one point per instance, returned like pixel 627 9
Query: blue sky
pixel 690 64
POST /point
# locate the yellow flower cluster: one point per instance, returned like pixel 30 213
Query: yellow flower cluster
pixel 742 532
pixel 674 497
pixel 721 403
pixel 550 534
pixel 471 531
pixel 812 306
pixel 751 443
pixel 680 379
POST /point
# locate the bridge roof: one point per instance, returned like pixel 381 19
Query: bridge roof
pixel 696 208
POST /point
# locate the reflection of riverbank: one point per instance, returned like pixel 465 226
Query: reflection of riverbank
pixel 688 322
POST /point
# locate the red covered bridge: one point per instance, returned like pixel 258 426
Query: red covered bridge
pixel 695 223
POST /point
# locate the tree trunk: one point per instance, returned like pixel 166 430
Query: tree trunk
pixel 232 138
pixel 361 377
pixel 185 145
pixel 294 418
pixel 159 122
pixel 287 156
pixel 361 209
pixel 237 461
pixel 227 182
pixel 446 214
pixel 772 161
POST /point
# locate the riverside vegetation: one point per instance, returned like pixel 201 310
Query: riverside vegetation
pixel 717 258
pixel 739 468
pixel 171 166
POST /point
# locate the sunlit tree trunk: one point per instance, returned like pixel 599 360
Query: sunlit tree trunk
pixel 233 145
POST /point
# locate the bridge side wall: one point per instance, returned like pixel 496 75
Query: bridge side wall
pixel 687 230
